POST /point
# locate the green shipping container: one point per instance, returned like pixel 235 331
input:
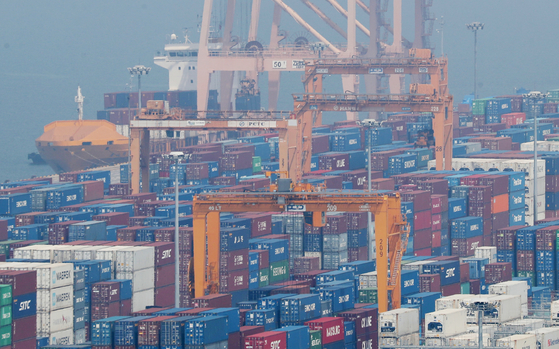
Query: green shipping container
pixel 5 295
pixel 5 246
pixel 6 315
pixel 479 105
pixel 530 274
pixel 368 295
pixel 264 277
pixel 553 94
pixel 256 164
pixel 315 339
pixel 279 271
pixel 5 335
pixel 465 288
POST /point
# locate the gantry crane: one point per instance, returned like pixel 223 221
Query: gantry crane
pixel 427 101
pixel 295 136
pixel 391 231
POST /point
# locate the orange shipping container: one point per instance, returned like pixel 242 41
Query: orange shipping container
pixel 500 203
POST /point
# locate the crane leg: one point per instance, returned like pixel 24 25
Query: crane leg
pixel 381 241
pixel 438 130
pixel 144 160
pixel 212 233
pixel 199 248
pixel 449 135
pixel 135 160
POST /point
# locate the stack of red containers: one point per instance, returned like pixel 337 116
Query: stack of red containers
pixel 332 329
pixel 497 272
pixel 58 232
pixel 422 223
pixel 164 273
pixel 106 302
pixel 113 218
pixel 366 326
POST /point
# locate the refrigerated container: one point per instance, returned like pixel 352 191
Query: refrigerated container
pixel 445 323
pixel 398 322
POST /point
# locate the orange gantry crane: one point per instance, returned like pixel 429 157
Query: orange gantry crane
pixel 391 231
pixel 428 101
pixel 295 137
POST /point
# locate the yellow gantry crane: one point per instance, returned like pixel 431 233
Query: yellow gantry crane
pixel 391 231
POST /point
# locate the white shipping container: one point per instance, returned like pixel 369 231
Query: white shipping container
pixel 468 340
pixel 398 322
pixel 507 308
pixel 530 187
pixel 56 298
pixel 109 253
pixel 55 321
pixel 62 337
pixel 55 275
pixel 141 279
pixel 542 146
pixel 451 302
pixel 554 309
pixel 472 147
pixel 88 253
pixel 417 265
pixel 315 254
pixel 368 280
pixel 518 341
pixel 488 329
pixel 511 288
pixel 529 204
pixel 135 258
pixel 79 336
pixel 546 338
pixel 143 299
pixel 489 252
pixel 408 339
pixel 43 252
pixel 25 252
pixel 523 325
pixel 445 323
pixel 526 166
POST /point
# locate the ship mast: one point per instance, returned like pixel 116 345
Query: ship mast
pixel 79 99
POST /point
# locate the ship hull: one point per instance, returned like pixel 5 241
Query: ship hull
pixel 80 157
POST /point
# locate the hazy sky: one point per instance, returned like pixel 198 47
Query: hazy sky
pixel 47 48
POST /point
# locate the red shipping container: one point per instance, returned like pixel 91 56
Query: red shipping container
pixel 525 260
pixel 497 272
pixel 21 219
pixel 365 320
pixel 164 252
pixel 105 310
pixel 223 181
pixel 113 218
pixel 93 190
pixel 439 203
pixel 125 307
pixel 267 340
pixel 263 258
pixel 165 296
pixel 506 237
pixel 149 311
pixel 256 183
pixel 233 281
pixel 499 184
pixel 464 272
pixel 148 330
pixel 105 292
pixel 498 221
pixel 356 220
pixel 309 276
pixel 248 331
pixel 234 340
pixel 436 239
pixel 25 344
pixel 466 247
pixel 436 222
pixel 451 289
pixel 481 194
pixel 422 239
pixel 421 199
pixel 434 186
pixel 381 184
pixel 136 221
pixel 480 209
pixel 333 162
pixel 429 283
pixel 197 171
pixel 235 260
pixel 369 341
pixel 24 328
pixel 546 238
pixel 304 264
pixel 320 144
pixel 422 252
pixel 335 224
pixel 213 301
pixel 58 232
pixel 379 160
pixel 119 189
pixel 165 275
pixel 358 254
pixel 261 223
pixel 474 286
pixel 127 234
pixel 294 289
pixel 552 183
pixel 332 328
pixel 237 160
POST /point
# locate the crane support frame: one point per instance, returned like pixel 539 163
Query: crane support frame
pixel 440 106
pixel 295 139
pixel 391 230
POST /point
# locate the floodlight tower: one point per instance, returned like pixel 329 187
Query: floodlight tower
pixel 475 26
pixel 139 70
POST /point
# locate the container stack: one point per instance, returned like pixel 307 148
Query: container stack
pixel 442 325
pixel 6 318
pixel 137 264
pixel 334 242
pixel 234 267
pixel 399 327
pixel 23 307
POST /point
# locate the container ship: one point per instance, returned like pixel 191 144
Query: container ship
pixel 87 264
